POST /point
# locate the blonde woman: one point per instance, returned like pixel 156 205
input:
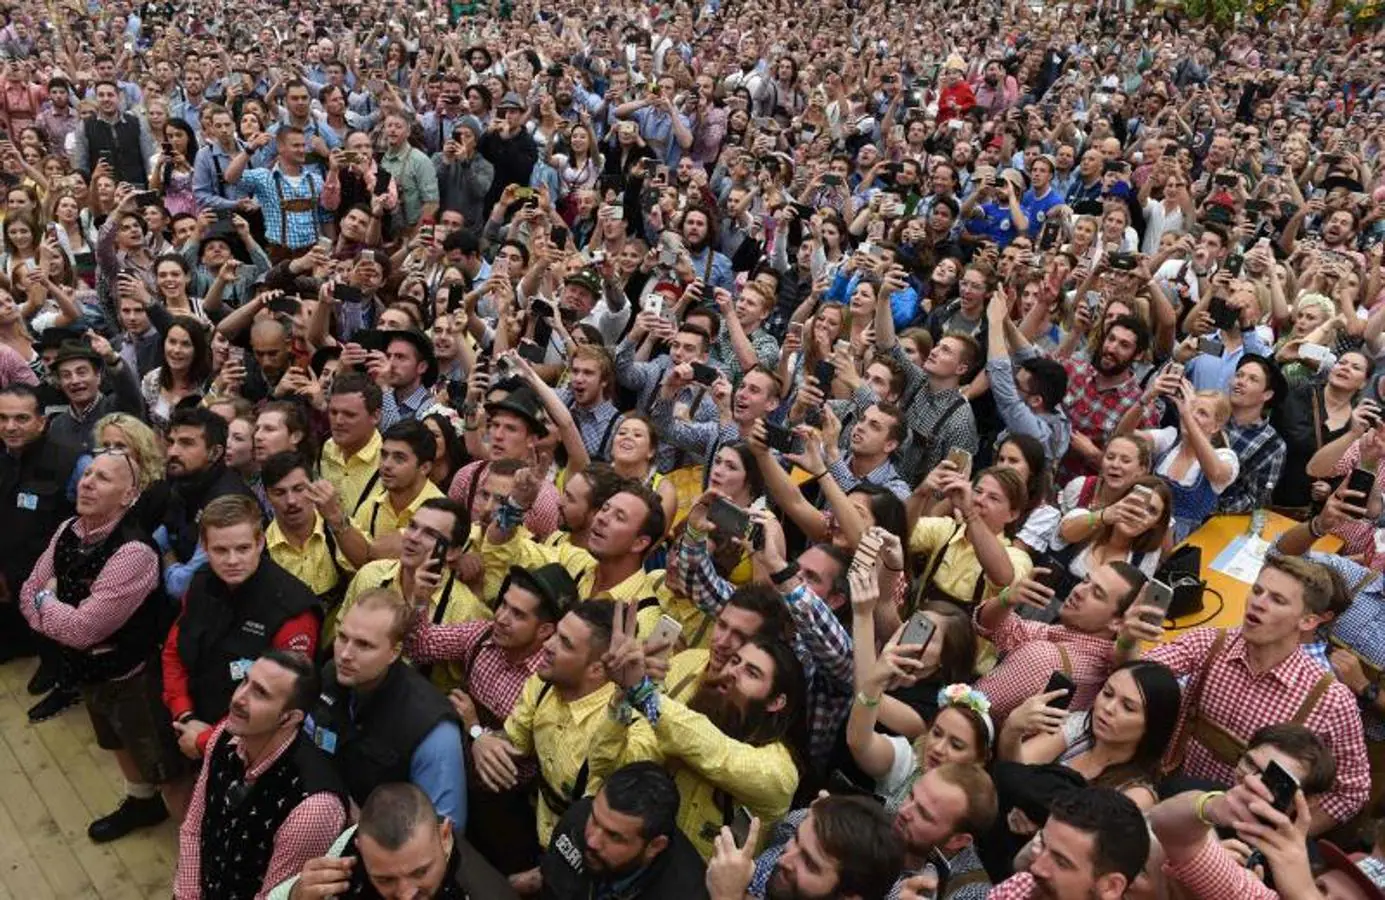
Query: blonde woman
pixel 123 432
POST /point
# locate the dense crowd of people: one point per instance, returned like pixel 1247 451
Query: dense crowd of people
pixel 702 450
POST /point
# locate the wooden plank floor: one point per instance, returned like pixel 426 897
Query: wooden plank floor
pixel 54 781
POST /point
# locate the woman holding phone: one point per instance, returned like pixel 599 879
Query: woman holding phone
pixel 955 728
pixel 1192 457
pixel 1134 529
pixel 1126 459
pixel 1312 415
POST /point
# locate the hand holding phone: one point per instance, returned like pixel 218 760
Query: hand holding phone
pixel 1060 682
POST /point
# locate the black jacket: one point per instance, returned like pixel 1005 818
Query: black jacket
pixel 187 497
pixel 33 503
pixel 677 872
pixel 513 159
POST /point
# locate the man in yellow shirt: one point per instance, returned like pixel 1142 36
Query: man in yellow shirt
pixel 731 738
pixel 440 525
pixel 406 457
pixel 559 708
pixel 297 538
pixel 351 457
pixel 611 566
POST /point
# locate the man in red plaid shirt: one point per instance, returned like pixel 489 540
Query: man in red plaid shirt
pixel 1245 678
pixel 1079 644
pixel 1100 391
pixel 1093 846
pixel 267 800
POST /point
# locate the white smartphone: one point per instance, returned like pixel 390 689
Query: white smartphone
pixel 1315 352
pixel 666 632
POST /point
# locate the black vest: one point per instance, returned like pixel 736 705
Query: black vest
pixel 77 566
pixel 33 503
pixel 119 144
pixel 240 822
pixel 376 745
pixel 221 631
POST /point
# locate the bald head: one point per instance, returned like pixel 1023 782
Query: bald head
pixel 269 340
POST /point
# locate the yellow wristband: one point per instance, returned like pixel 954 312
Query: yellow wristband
pixel 1200 807
pixel 865 701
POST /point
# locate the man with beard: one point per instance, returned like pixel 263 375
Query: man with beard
pixel 583 495
pixel 411 369
pixel 464 175
pixel 709 265
pixel 401 847
pixel 591 296
pixel 267 800
pixel 731 740
pixel 1093 846
pixel 490 661
pixel 623 842
pixel 1100 391
pixel 197 475
pixel 558 710
pixel 235 609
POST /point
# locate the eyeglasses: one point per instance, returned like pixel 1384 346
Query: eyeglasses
pixel 111 450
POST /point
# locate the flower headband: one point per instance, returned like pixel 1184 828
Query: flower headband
pixel 965 695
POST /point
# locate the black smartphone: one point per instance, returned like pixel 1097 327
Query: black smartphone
pixel 1210 347
pixel 543 333
pixel 918 631
pixel 1058 681
pixel 382 182
pixel 531 351
pixel 438 558
pixel 777 437
pixel 704 374
pixel 740 825
pixel 284 306
pixel 456 296
pixel 1049 234
pixel 1224 180
pixel 1124 262
pixel 728 518
pixel 371 339
pixel 825 372
pixel 558 236
pixel 347 293
pixel 1361 480
pixel 147 198
pixel 1282 784
pixel 541 310
pixel 1223 316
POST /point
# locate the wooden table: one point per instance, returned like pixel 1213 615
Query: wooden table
pixel 1213 537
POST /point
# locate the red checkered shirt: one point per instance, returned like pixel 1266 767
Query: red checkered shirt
pixel 543 517
pixel 1214 874
pixel 1030 655
pixel 125 581
pixel 494 682
pixel 307 833
pixel 1242 703
pixel 1016 887
pixel 1093 411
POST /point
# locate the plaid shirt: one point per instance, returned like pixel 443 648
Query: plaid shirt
pixel 701 439
pixel 541 520
pixel 1214 872
pixel 1361 628
pixel 723 354
pixel 1018 887
pixel 1253 486
pixel 821 644
pixel 1094 411
pixel 1030 654
pixel 934 425
pixel 269 186
pixel 305 834
pixel 1358 535
pixel 645 378
pixel 394 410
pixel 597 424
pixel 883 475
pixel 1242 702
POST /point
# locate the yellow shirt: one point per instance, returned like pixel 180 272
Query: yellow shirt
pixel 350 474
pixel 959 569
pixel 377 515
pixel 462 605
pixel 556 733
pixel 523 550
pixel 709 766
pixel 312 563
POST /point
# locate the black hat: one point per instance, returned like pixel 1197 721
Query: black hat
pixel 1277 382
pixel 424 347
pixel 322 356
pixel 225 232
pixel 54 338
pixel 551 582
pixel 523 402
pixel 71 350
pixel 1338 180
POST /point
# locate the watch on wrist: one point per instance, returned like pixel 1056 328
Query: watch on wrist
pixel 780 578
pixel 475 732
pixel 1367 697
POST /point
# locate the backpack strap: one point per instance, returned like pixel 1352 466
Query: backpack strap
pixel 1194 699
pixel 934 562
pixel 1064 660
pixel 366 491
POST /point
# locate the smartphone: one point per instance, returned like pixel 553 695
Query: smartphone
pixel 1143 493
pixel 728 518
pixel 740 823
pixel 654 303
pixel 961 459
pixel 868 549
pixel 532 351
pixel 543 331
pixel 918 631
pixel 704 374
pixel 1361 480
pixel 524 193
pixel 1282 784
pixel 1160 595
pixel 1049 234
pixel 1123 262
pixel 777 437
pixel 382 182
pixel 323 245
pixel 617 213
pixel 1224 180
pixel 236 356
pixel 438 558
pixel 1059 681
pixel 832 179
pixel 825 372
pixel 666 632
pixel 796 328
pixel 147 198
pixel 347 293
pixel 558 236
pixel 1210 347
pixel 1175 369
pixel 1314 352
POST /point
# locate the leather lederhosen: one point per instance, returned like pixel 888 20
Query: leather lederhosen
pixel 295 205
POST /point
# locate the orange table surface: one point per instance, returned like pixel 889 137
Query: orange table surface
pixel 1213 537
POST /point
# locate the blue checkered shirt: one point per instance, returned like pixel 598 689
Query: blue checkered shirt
pixel 268 186
pixel 1253 486
pixel 1361 628
pixel 393 410
pixel 597 425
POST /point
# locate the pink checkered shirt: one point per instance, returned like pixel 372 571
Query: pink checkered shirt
pixel 1030 654
pixel 1242 703
pixel 541 520
pixel 1016 887
pixel 1214 874
pixel 1093 411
